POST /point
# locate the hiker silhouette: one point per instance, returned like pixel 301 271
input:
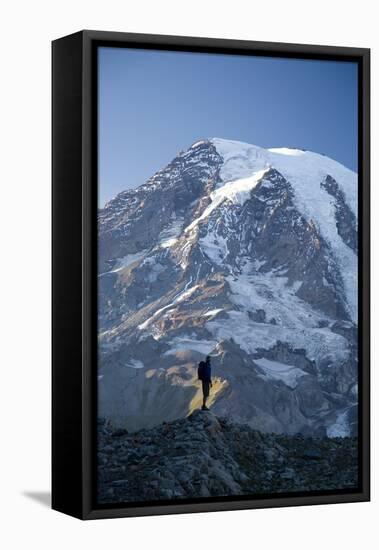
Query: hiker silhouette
pixel 204 374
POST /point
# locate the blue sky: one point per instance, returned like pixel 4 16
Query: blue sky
pixel 153 104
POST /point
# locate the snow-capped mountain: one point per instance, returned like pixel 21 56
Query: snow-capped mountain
pixel 246 253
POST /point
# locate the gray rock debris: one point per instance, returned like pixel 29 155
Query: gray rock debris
pixel 208 456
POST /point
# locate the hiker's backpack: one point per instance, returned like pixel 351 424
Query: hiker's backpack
pixel 200 370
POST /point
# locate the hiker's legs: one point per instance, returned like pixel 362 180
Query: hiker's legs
pixel 205 394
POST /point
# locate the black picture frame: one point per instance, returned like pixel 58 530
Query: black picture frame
pixel 74 294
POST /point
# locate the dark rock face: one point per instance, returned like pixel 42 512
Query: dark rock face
pixel 134 219
pixel 208 456
pixel 345 219
pixel 185 271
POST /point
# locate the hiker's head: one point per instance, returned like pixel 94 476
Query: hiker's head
pixel 208 359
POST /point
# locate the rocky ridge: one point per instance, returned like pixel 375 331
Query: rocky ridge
pixel 209 456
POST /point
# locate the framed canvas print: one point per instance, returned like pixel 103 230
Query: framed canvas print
pixel 210 274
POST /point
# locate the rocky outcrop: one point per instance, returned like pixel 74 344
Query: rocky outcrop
pixel 208 456
pixel 345 219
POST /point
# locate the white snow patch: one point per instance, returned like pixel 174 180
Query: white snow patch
pixel 318 343
pixel 354 390
pixel 180 297
pixel 155 271
pixel 190 343
pixel 236 191
pixel 127 260
pixel 274 370
pixel 168 242
pixel 270 292
pixel 200 142
pixel 212 312
pixel 169 236
pixel 215 247
pixel 341 426
pixel 186 250
pixel 134 364
pixel 241 160
pixel 288 151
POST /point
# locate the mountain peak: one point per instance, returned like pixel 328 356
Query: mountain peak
pixel 248 254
